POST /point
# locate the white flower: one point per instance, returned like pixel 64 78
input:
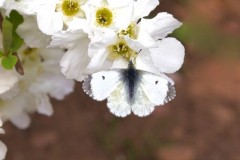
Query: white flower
pixel 142 8
pixel 74 61
pixel 31 34
pixel 8 79
pixel 42 79
pixel 114 49
pixel 55 15
pixel 25 7
pixel 1 2
pixel 107 50
pixel 112 14
pixel 3 148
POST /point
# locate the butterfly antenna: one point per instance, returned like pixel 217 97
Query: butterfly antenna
pixel 133 60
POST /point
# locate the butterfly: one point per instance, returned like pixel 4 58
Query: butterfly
pixel 129 90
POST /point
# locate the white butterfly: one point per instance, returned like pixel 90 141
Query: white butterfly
pixel 129 90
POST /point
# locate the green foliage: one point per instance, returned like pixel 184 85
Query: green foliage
pixel 11 40
pixel 7 28
pixel 8 62
pixel 1 54
pixel 16 19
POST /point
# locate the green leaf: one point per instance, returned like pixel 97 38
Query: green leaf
pixel 16 19
pixel 9 62
pixel 1 54
pixel 7 28
pixel 17 42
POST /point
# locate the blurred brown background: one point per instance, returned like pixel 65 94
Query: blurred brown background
pixel 202 123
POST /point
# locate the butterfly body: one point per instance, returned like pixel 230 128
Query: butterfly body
pixel 130 78
pixel 129 90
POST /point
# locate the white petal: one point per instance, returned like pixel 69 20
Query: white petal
pixel 145 38
pixel 50 22
pixel 67 39
pixel 142 8
pixel 116 4
pixel 123 16
pixel 135 44
pixel 73 63
pixel 2 131
pixel 1 2
pixel 78 24
pixel 3 150
pixel 43 105
pixel 104 39
pixel 160 26
pixel 145 63
pixel 61 87
pixel 169 55
pixel 98 58
pixel 7 80
pixel 21 121
pixel 23 7
pixel 31 34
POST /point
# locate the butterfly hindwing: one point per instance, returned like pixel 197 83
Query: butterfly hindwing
pixel 101 84
pixel 118 103
pixel 142 106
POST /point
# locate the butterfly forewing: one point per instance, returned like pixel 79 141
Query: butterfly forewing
pixel 158 90
pixel 101 84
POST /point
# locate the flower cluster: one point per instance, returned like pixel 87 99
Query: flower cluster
pixel 65 40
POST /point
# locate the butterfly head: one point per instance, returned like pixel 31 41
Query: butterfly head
pixel 132 61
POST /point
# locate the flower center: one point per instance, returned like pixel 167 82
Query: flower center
pixel 30 55
pixel 131 31
pixel 121 50
pixel 70 7
pixel 104 17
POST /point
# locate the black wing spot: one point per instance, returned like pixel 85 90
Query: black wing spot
pixel 103 77
pixel 156 82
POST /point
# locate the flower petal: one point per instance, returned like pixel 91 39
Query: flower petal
pixel 135 45
pixel 43 104
pixel 3 150
pixel 142 8
pixel 21 121
pixel 57 90
pixel 98 58
pixel 67 39
pixel 73 63
pixel 123 16
pixel 168 57
pixel 31 34
pixel 117 4
pixel 50 22
pixel 160 26
pixel 7 80
pixel 145 63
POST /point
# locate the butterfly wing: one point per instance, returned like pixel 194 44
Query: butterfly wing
pixel 158 89
pixel 152 90
pixel 142 106
pixel 118 103
pixel 101 84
